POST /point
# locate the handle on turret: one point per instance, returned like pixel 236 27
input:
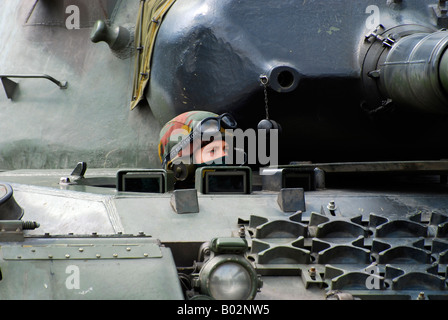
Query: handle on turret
pixel 117 38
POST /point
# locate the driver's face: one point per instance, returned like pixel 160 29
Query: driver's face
pixel 214 150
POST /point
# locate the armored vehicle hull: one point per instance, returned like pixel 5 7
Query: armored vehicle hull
pixel 354 208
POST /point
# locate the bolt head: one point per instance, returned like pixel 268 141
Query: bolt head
pixel 64 180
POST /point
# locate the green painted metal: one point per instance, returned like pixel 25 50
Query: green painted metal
pixel 95 241
pixel 48 128
pixel 88 268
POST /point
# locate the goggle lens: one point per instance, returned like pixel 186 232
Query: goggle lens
pixel 228 121
pixel 210 126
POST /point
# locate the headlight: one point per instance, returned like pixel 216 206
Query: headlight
pixel 226 274
pixel 229 277
pixel 230 281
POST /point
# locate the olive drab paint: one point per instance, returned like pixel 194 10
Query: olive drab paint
pixel 347 200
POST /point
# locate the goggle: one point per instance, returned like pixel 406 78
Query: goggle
pixel 208 127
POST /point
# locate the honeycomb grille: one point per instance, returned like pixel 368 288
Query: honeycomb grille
pixel 384 255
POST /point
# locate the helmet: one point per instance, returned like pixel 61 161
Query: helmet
pixel 179 127
pixel 182 136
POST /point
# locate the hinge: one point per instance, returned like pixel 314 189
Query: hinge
pixel 83 251
pixel 375 35
pixel 12 230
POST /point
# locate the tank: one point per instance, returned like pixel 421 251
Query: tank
pixel 349 99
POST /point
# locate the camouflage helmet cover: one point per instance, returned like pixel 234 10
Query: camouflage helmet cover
pixel 180 126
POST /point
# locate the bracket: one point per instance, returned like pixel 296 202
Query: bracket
pixel 440 11
pixel 11 86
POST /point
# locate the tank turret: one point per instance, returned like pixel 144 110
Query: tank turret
pixel 341 76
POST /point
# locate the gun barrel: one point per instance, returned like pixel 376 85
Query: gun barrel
pixel 415 72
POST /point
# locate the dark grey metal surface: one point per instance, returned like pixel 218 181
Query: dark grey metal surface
pixel 210 56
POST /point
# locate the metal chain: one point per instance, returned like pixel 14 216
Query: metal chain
pixel 264 81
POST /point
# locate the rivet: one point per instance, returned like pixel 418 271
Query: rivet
pixel 331 205
pixel 145 254
pixel 50 256
pixel 98 255
pixel 242 232
pixel 128 249
pixel 81 249
pixel 67 256
pixel 115 255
